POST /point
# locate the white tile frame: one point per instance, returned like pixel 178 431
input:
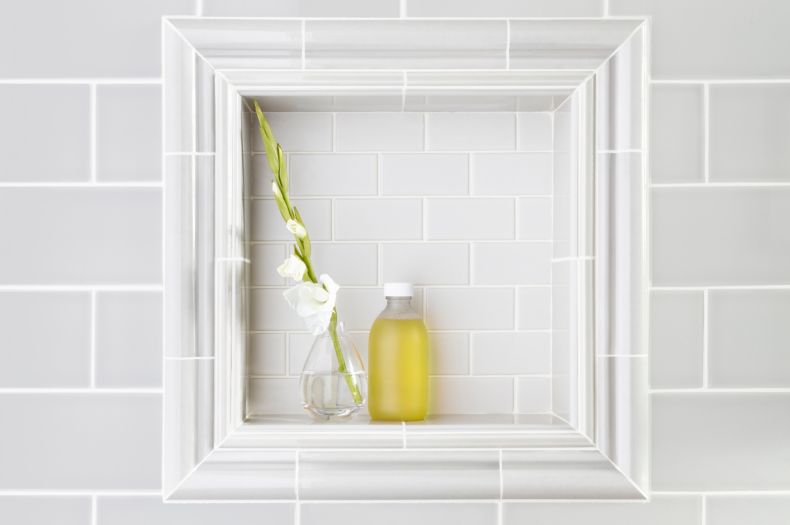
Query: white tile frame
pixel 210 451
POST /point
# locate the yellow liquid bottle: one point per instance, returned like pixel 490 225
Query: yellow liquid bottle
pixel 398 360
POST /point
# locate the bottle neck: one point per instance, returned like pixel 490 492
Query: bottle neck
pixel 400 308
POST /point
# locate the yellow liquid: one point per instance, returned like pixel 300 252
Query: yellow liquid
pixel 398 370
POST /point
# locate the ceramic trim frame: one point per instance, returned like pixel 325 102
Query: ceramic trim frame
pixel 210 451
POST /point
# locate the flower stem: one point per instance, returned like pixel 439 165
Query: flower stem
pixel 341 362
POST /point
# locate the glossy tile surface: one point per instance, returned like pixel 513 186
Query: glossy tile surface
pixel 128 339
pixel 132 510
pixel 23 140
pixel 721 236
pixel 699 43
pixel 124 247
pixel 399 474
pixel 692 434
pixel 748 133
pixel 438 44
pixel 748 334
pixel 676 345
pixel 677 133
pixel 54 357
pixel 93 428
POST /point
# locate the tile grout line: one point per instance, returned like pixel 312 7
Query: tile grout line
pixel 297 496
pixel 705 337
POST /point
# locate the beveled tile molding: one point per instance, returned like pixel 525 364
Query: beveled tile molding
pixel 212 451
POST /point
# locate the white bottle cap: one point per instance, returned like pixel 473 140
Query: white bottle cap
pixel 398 290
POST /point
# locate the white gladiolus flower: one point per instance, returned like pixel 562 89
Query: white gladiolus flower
pixel 314 302
pixel 296 228
pixel 292 267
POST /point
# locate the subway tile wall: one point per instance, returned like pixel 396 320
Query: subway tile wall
pixel 719 98
pixel 415 197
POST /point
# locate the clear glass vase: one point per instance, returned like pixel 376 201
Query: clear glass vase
pixel 333 380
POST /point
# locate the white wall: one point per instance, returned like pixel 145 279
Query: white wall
pixel 80 268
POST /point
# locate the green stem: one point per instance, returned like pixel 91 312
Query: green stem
pixel 341 362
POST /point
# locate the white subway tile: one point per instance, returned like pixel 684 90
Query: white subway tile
pixel 504 8
pixel 270 311
pixel 699 43
pixel 348 264
pixel 264 260
pixel 128 339
pixel 425 263
pixel 372 131
pixel 296 131
pixel 449 353
pixel 333 174
pixel 470 308
pixel 63 510
pixel 511 263
pixel 533 395
pixel 274 395
pixel 81 235
pixel 534 219
pixel 471 131
pixel 618 98
pixel 405 44
pixel 511 353
pixel 151 510
pixel 677 135
pixel 534 131
pixel 511 174
pixel 32 152
pixel 721 236
pixel 45 339
pixel 660 510
pixel 749 337
pixel 357 308
pixel 471 395
pixel 93 39
pixel 756 509
pixel 464 219
pixel 749 133
pixel 384 513
pixel 378 219
pixel 534 44
pixel 310 8
pixel 398 474
pixel 720 441
pixel 534 308
pixel 103 441
pixel 266 354
pixel 676 339
pixel 129 133
pixel 425 174
pixel 266 223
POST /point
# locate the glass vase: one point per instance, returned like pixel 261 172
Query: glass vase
pixel 333 380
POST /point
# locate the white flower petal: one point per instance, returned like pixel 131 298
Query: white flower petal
pixel 292 267
pixel 314 302
pixel 296 228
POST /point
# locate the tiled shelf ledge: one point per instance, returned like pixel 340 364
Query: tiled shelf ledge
pixel 480 457
pixel 493 431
